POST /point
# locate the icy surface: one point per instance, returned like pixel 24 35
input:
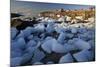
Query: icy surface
pixel 49 42
pixel 84 55
pixel 66 59
pixel 14 32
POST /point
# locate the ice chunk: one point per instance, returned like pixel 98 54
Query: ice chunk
pixel 31 43
pixel 70 47
pixel 30 49
pixel 27 31
pixel 16 53
pixel 27 57
pixel 21 43
pixel 40 27
pixel 38 63
pixel 61 37
pixel 21 34
pixel 62 19
pixel 92 43
pixel 73 30
pixel 84 56
pixel 50 27
pixel 48 38
pixel 38 55
pixel 30 37
pixel 69 35
pixel 51 20
pixel 16 61
pixel 58 48
pixel 81 44
pixel 18 44
pixel 66 58
pixel 50 62
pixel 82 30
pixel 14 31
pixel 47 45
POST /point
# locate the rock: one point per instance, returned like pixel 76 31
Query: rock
pixel 38 55
pixel 16 61
pixel 84 56
pixel 14 32
pixel 66 59
pixel 81 44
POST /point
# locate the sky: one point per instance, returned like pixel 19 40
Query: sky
pixel 33 8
